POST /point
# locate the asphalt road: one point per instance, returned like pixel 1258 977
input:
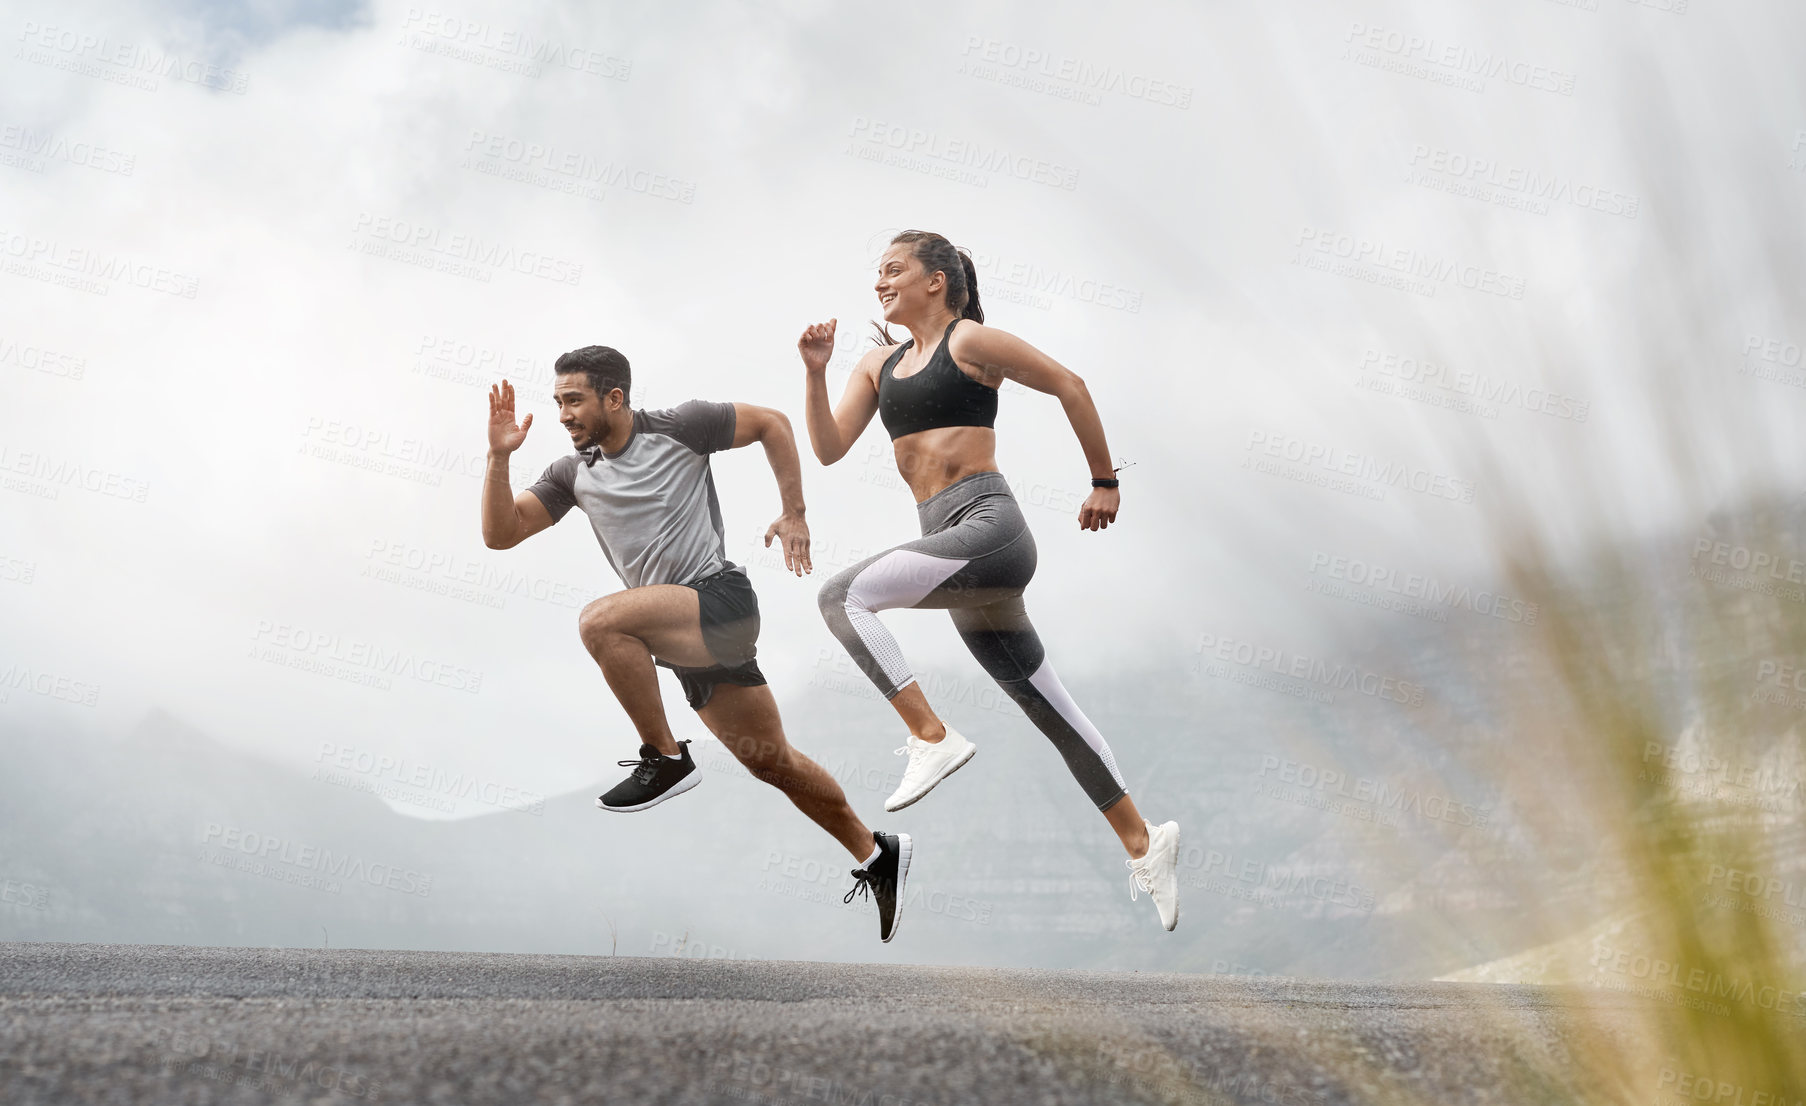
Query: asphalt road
pixel 157 1024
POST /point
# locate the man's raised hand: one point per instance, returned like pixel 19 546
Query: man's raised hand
pixel 504 435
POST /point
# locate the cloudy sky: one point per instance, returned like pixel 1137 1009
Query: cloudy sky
pixel 1350 285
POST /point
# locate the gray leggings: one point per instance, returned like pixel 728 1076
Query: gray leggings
pixel 974 558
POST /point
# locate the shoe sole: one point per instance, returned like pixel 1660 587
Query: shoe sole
pixel 905 848
pixel 1175 924
pixel 677 789
pixel 918 797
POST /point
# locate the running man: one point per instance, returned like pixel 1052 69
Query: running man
pixel 643 479
pixel 937 397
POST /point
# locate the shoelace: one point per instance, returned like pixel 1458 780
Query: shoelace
pixel 1138 878
pixel 864 882
pixel 644 768
pixel 915 752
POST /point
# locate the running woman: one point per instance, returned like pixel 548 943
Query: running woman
pixel 643 479
pixel 937 397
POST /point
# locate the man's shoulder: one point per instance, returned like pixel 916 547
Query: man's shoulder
pixel 563 468
pixel 701 425
pixel 679 410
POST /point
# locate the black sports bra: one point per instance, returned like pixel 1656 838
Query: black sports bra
pixel 937 394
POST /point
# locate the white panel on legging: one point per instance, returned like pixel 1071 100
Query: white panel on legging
pixel 899 578
pixel 1048 684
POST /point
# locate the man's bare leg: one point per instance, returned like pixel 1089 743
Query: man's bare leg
pixel 624 631
pixel 746 720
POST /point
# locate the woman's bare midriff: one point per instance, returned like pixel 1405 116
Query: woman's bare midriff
pixel 929 460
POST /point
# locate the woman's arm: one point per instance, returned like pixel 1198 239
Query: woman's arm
pixel 832 433
pixel 998 355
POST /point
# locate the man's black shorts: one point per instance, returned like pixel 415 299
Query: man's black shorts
pixel 730 627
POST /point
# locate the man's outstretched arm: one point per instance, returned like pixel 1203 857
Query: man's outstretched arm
pixel 508 519
pixel 771 428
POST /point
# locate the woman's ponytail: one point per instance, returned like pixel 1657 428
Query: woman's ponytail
pixel 971 310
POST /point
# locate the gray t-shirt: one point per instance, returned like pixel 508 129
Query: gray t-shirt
pixel 652 505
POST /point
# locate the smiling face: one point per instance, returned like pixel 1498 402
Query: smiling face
pixel 905 292
pixel 584 414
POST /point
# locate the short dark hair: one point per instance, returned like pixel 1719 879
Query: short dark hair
pixel 605 368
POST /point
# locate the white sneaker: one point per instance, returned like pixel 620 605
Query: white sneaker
pixel 929 764
pixel 1157 873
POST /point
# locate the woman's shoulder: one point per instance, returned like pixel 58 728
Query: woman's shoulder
pixel 872 360
pixel 970 337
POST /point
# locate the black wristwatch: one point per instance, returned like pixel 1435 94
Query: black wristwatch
pixel 1104 481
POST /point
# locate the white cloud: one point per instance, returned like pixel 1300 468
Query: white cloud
pixel 739 176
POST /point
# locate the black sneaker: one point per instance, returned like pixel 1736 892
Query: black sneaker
pixel 883 880
pixel 655 778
